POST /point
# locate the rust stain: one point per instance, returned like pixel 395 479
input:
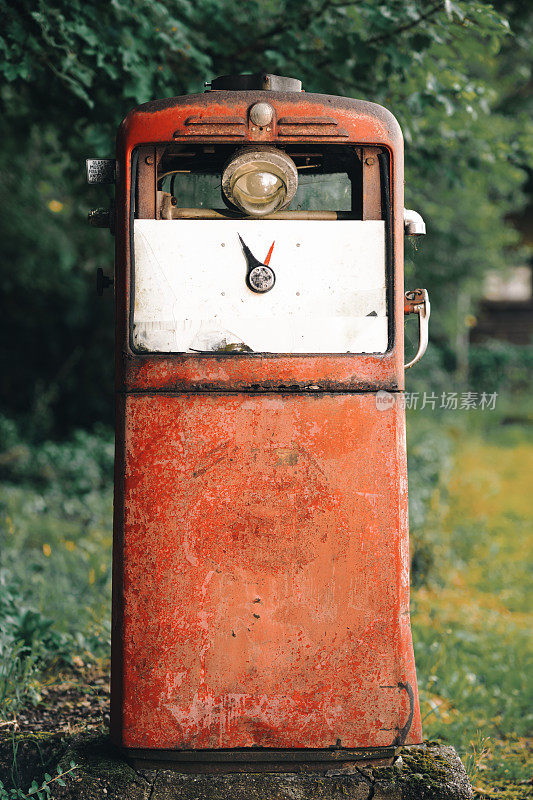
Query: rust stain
pixel 287 455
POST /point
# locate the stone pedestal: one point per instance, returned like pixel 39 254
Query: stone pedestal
pixel 421 772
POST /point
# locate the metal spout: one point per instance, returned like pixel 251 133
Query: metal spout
pixel 414 224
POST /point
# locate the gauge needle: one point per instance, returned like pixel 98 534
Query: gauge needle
pixel 260 277
pixel 269 254
pixel 250 258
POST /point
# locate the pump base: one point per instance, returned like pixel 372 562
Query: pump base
pixel 431 771
pixel 258 759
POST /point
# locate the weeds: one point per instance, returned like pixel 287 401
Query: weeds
pixel 19 682
pixel 42 790
pixel 476 759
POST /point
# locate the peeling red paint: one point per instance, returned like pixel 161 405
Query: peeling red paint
pixel 263 557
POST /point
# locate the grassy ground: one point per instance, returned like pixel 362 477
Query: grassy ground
pixel 55 562
pixel 470 502
pixel 470 621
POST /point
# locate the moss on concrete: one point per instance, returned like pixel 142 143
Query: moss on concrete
pixel 428 771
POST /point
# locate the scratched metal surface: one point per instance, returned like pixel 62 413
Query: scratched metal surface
pixel 262 574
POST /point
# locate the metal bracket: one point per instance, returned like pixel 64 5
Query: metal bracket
pixel 103 218
pixel 102 282
pixel 417 302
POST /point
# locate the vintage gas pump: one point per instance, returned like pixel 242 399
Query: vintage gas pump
pixel 261 571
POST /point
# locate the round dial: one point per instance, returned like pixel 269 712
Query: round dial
pixel 261 279
pixel 259 276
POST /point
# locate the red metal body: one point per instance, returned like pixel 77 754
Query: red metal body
pixel 261 591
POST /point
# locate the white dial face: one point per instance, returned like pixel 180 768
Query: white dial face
pixel 271 286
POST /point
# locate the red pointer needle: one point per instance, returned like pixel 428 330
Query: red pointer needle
pixel 267 259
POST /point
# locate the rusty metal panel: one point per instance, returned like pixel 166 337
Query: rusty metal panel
pixel 310 128
pixel 371 184
pixel 258 373
pixel 262 574
pixel 360 121
pixel 146 183
pixel 213 127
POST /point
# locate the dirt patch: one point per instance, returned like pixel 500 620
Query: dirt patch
pixel 73 701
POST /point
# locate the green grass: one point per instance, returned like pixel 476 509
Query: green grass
pixel 55 560
pixel 470 623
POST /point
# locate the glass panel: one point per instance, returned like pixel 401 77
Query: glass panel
pixel 329 176
pixel 194 189
pixel 316 192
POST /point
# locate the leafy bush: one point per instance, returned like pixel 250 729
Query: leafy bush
pixel 75 468
pixel 497 366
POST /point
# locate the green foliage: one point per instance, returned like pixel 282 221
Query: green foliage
pixel 501 366
pixel 429 447
pixel 19 674
pixel 454 73
pixel 76 469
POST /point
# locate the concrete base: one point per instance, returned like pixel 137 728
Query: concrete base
pixel 420 772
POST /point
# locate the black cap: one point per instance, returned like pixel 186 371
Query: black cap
pixel 257 81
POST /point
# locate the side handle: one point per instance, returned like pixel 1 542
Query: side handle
pixel 417 302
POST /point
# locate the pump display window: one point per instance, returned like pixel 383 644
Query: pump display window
pixel 320 267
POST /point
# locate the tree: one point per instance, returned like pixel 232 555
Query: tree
pixel 455 74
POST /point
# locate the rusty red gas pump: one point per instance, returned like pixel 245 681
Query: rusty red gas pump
pixel 261 569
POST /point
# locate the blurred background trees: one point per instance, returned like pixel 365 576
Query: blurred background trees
pixel 457 75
